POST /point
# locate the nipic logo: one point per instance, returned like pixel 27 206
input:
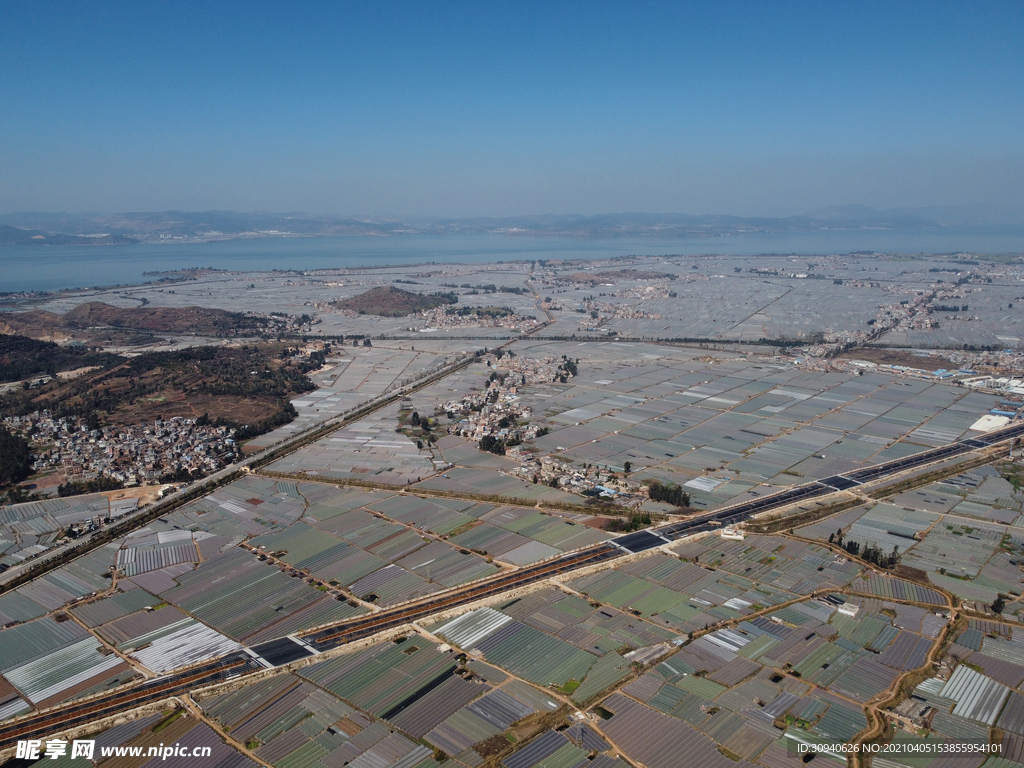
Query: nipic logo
pixel 34 749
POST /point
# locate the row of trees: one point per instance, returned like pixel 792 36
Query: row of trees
pixel 491 288
pixel 632 523
pixel 180 475
pixel 101 483
pixel 485 311
pixel 492 444
pixel 872 553
pixel 15 457
pixel 496 445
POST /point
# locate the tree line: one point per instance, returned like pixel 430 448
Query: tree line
pixel 670 493
pixel 15 457
pixel 872 553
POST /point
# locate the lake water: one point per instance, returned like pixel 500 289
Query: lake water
pixel 48 268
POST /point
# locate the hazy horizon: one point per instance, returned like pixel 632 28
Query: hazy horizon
pixel 828 211
pixel 398 110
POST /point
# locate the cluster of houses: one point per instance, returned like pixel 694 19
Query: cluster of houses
pixel 583 479
pixel 907 314
pixel 446 317
pixel 174 449
pixel 606 310
pixel 659 290
pixel 1005 359
pixel 497 416
pixel 498 411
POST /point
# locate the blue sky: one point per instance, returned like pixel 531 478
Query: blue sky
pixel 510 108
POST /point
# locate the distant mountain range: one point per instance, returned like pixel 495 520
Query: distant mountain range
pixel 105 229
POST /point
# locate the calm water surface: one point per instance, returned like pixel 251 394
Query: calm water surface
pixel 47 268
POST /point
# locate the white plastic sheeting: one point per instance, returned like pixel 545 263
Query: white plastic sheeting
pixel 182 643
pixel 63 669
pixel 977 697
pixel 470 628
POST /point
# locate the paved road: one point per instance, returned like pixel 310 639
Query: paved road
pixel 637 542
pixel 71 715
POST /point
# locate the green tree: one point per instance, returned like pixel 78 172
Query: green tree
pixel 15 457
pixel 492 444
pixel 668 493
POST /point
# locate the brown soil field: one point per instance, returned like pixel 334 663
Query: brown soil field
pixel 897 357
pixel 911 574
pixel 146 494
pixel 169 403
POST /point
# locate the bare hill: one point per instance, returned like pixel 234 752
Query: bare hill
pixel 217 381
pixel 388 301
pixel 40 324
pixel 165 319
